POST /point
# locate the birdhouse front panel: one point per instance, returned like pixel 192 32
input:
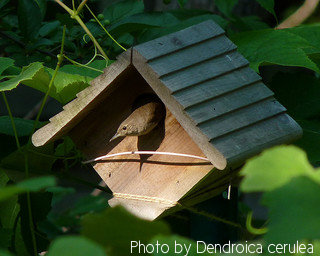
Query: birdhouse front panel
pixel 145 185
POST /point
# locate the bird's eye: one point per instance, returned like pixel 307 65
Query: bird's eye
pixel 124 128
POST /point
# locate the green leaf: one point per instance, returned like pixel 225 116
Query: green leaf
pixel 30 185
pixel 310 140
pixel 122 9
pixel 42 6
pixel 58 193
pixel 88 204
pixel 299 93
pixel 29 17
pixel 268 5
pixel 49 27
pixel 139 22
pixel 226 6
pixel 65 86
pixel 3 3
pixel 40 161
pixel 5 238
pixel 311 33
pixel 19 244
pixel 69 83
pixel 274 168
pixel 294 211
pixel 40 206
pixel 263 47
pixel 77 70
pixel 5 253
pixel 26 74
pixel 75 245
pixel 5 63
pixel 64 148
pixel 23 126
pixel 9 212
pixel 249 23
pixel 115 229
pixel 182 3
pixel 3 179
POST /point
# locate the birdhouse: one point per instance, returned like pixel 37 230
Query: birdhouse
pixel 216 109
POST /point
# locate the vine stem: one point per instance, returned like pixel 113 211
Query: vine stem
pixel 105 29
pixel 60 59
pixel 26 159
pixel 77 18
pixel 82 65
pixel 12 121
pixel 300 15
pixel 253 230
pixel 83 3
pixel 74 15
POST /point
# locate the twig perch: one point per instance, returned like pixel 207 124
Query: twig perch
pixel 143 153
pixel 300 15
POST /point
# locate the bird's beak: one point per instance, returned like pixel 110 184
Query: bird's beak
pixel 114 137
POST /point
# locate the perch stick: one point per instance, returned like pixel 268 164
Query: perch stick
pixel 300 15
pixel 143 153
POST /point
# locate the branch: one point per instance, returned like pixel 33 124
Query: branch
pixel 144 153
pixel 303 13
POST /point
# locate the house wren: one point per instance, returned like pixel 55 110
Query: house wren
pixel 142 120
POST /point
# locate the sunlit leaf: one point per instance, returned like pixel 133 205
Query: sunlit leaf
pixel 26 74
pixel 279 47
pixel 75 245
pixel 274 168
pixel 294 211
pixel 115 229
pixel 31 185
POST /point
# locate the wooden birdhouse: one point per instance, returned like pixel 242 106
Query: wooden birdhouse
pixel 216 108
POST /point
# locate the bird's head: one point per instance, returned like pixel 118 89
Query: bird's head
pixel 126 129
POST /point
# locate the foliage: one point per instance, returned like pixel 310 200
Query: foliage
pixel 291 189
pixel 40 213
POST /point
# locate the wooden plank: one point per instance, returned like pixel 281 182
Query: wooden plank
pixel 179 40
pixel 186 57
pixel 216 86
pixel 247 142
pixel 241 118
pixel 64 121
pixel 229 102
pixel 204 71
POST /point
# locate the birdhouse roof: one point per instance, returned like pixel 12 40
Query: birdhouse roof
pixel 206 84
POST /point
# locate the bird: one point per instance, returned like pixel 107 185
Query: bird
pixel 142 120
